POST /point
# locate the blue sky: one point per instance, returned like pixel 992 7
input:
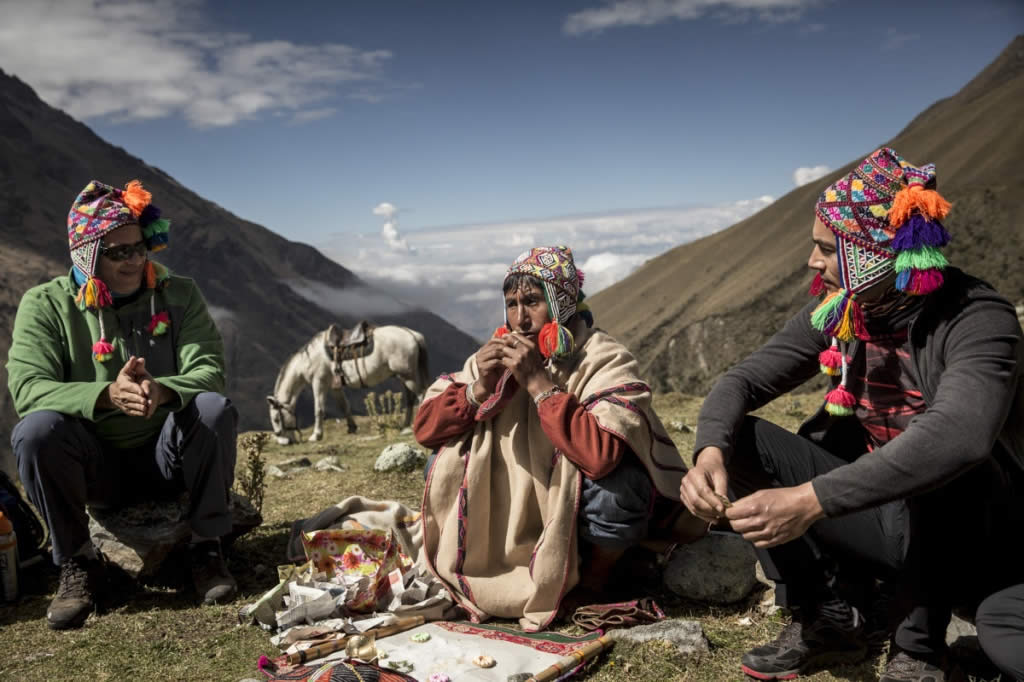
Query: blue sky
pixel 305 116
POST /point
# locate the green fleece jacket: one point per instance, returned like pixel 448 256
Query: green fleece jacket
pixel 51 366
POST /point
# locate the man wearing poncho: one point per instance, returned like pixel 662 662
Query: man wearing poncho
pixel 545 436
pixel 913 468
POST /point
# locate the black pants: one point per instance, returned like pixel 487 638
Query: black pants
pixel 947 547
pixel 1000 621
pixel 63 466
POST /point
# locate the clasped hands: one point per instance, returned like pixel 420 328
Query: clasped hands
pixel 135 392
pixel 514 352
pixel 766 518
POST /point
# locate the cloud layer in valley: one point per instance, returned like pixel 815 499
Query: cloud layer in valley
pixel 456 271
pixel 136 60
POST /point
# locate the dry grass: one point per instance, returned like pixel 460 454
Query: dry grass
pixel 158 632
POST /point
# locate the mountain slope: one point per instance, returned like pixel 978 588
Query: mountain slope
pixel 246 272
pixel 692 312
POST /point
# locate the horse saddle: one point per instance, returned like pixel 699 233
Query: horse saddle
pixel 357 335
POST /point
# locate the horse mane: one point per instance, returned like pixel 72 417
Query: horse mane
pixel 290 362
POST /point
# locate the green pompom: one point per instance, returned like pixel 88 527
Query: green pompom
pixel 922 258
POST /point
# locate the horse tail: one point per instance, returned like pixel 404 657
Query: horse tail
pixel 422 368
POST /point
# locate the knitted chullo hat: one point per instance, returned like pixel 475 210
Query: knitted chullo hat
pixel 96 211
pixel 563 290
pixel 885 216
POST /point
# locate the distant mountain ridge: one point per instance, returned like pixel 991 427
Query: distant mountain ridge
pixel 694 311
pixel 258 284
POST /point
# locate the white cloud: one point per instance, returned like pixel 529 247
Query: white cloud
pixel 457 270
pixel 617 13
pixel 805 174
pixel 895 39
pixel 351 301
pixel 134 60
pixel 390 229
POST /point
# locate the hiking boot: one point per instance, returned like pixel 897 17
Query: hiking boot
pixel 907 667
pixel 833 636
pixel 81 579
pixel 210 573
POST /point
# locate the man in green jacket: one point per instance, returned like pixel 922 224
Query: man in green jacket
pixel 912 470
pixel 117 370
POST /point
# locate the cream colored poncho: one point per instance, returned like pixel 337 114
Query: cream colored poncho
pixel 500 504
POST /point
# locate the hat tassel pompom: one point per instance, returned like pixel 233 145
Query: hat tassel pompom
pixel 93 294
pixel 817 285
pixel 102 350
pixel 135 197
pixel 831 360
pixel 927 202
pixel 919 271
pixel 555 340
pixel 839 402
pixel 919 232
pixel 839 315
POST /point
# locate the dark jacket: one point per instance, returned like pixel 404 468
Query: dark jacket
pixel 967 351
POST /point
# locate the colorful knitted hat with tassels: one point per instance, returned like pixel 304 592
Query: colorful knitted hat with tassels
pixel 97 210
pixel 563 289
pixel 885 215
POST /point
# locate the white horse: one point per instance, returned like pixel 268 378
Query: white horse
pixel 325 363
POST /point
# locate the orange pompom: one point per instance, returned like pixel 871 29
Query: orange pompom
pixel 501 331
pixel 928 203
pixel 136 198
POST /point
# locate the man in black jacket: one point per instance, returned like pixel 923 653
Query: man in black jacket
pixel 912 471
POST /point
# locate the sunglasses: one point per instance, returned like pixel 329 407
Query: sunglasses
pixel 124 251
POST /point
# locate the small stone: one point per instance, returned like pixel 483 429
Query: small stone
pixel 420 637
pixel 686 635
pixel 484 661
pixel 519 677
pixel 682 427
pixel 330 464
pixel 400 457
pixel 276 472
pixel 295 464
pixel 407 431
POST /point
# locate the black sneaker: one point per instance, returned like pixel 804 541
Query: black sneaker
pixel 906 667
pixel 832 637
pixel 80 580
pixel 210 573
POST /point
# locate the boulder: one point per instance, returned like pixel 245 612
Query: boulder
pixel 686 635
pixel 400 457
pixel 719 568
pixel 139 537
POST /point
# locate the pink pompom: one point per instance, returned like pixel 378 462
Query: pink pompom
pixel 102 350
pixel 924 281
pixel 580 277
pixel 831 361
pixel 840 402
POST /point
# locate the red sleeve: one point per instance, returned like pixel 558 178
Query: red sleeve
pixel 577 434
pixel 443 417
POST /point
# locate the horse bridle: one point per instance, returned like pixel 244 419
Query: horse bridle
pixel 282 409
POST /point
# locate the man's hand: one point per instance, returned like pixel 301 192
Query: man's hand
pixel 521 355
pixel 703 490
pixel 774 516
pixel 125 393
pixel 488 364
pixel 156 394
